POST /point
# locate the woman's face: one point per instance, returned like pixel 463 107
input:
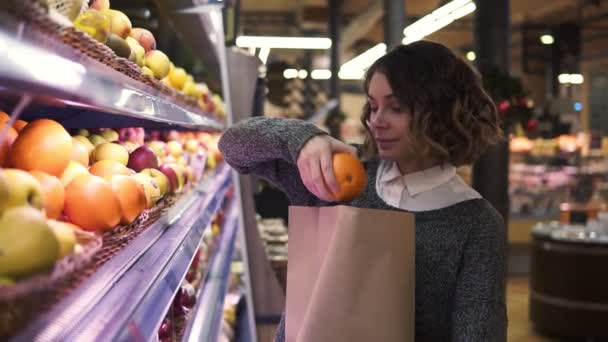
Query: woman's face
pixel 388 122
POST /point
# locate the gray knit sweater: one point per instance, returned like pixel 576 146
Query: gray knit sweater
pixel 460 250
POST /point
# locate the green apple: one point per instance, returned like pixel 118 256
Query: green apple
pixel 160 178
pixel 23 190
pixel 66 236
pixel 111 151
pixel 97 139
pixel 73 170
pixel 27 243
pixel 82 132
pixel 85 141
pixel 110 135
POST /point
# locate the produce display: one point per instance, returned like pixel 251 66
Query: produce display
pixel 174 323
pixel 53 184
pixel 138 45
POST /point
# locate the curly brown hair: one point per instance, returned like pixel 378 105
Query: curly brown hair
pixel 453 118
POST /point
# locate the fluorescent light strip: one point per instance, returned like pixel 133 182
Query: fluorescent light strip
pixel 283 42
pixel 438 19
pixel 290 73
pixel 365 59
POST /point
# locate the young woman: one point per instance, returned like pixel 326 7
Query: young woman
pixel 426 114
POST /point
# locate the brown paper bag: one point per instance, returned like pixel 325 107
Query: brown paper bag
pixel 350 275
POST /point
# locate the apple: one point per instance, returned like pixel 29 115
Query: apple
pixel 110 135
pixel 159 147
pixel 73 170
pixel 129 145
pixel 110 151
pixel 175 148
pixel 161 179
pixel 182 161
pixel 172 175
pixel 177 78
pixel 65 234
pixel 96 139
pixel 120 24
pixel 86 142
pixel 165 329
pixel 179 172
pixel 81 131
pixel 158 62
pixel 142 158
pixel 147 71
pixel 189 172
pixel 134 134
pixel 22 189
pixel 192 145
pixel 151 188
pixel 144 38
pixel 100 5
pixel 137 49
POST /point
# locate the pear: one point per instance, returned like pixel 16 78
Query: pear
pixel 27 243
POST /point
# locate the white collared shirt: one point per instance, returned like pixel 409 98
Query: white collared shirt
pixel 434 188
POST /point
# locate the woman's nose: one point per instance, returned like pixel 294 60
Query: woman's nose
pixel 378 119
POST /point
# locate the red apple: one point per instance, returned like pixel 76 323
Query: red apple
pixel 142 158
pixel 144 38
pixel 172 175
pixel 165 329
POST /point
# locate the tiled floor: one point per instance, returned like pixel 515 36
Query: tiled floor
pixel 520 329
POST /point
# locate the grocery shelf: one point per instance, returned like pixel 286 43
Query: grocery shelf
pixel 208 312
pixel 58 76
pixel 127 297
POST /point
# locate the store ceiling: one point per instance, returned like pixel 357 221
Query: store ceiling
pixel 310 18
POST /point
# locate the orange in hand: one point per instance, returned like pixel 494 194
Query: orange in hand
pixel 350 175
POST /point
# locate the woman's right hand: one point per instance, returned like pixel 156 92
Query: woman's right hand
pixel 315 163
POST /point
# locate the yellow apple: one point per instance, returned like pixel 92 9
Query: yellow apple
pixel 66 236
pixel 161 179
pixel 27 243
pixel 110 151
pixel 73 170
pixel 151 189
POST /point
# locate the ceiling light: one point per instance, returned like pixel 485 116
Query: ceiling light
pixel 320 74
pixel 290 73
pixel 364 60
pixel 471 55
pixel 302 74
pixel 438 19
pixel 283 42
pixel 547 39
pixel 570 78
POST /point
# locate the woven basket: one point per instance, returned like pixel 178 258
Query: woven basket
pixel 24 301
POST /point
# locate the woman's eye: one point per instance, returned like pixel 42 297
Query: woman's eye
pixel 373 109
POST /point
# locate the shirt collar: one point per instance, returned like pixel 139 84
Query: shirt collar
pixel 421 181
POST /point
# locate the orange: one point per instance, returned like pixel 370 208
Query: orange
pixel 54 194
pixel 91 204
pixel 19 125
pixel 131 196
pixel 4 117
pixel 5 147
pixel 105 168
pixel 350 175
pixel 80 152
pixel 43 145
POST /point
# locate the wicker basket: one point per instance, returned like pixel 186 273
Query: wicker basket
pixel 24 301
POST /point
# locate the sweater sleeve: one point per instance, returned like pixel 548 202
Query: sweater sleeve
pixel 269 148
pixel 479 303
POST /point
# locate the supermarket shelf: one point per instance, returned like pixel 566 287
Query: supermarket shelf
pixel 208 312
pixel 127 298
pixel 58 76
